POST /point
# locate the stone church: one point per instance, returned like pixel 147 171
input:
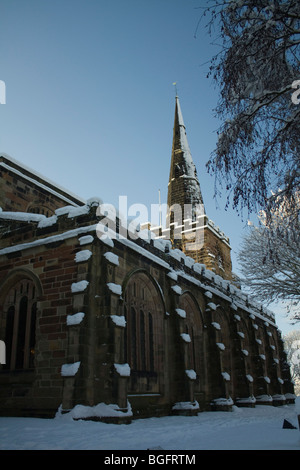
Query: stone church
pixel 113 327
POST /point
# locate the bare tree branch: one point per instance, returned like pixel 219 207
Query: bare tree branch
pixel 260 135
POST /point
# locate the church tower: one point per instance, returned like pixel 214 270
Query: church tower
pixel 188 226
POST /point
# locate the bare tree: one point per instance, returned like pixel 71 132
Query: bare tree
pixel 270 266
pixel 292 348
pixel 258 71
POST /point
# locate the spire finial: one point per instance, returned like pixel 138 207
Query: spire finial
pixel 176 94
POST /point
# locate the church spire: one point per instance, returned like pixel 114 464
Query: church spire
pixel 184 187
pixel 187 225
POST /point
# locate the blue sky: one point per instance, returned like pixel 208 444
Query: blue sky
pixel 90 98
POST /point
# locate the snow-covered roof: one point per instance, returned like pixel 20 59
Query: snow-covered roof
pixel 18 168
pixel 175 261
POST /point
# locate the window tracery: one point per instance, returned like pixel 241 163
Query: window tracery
pixel 20 309
pixel 143 310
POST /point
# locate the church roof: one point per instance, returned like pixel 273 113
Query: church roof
pixel 33 177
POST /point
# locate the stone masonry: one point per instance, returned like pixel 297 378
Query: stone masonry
pixel 110 327
pixel 210 347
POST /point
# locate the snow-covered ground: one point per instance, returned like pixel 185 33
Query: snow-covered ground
pixel 242 429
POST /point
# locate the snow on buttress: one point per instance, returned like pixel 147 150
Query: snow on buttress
pixel 123 369
pixel 186 337
pixel 86 239
pixel 212 306
pixel 119 320
pixel 112 258
pixel 79 286
pixel 115 288
pixel 177 290
pixel 180 312
pixel 186 405
pixel 83 255
pixel 69 370
pixel 226 376
pixel 191 374
pixel 102 410
pixel 75 319
pixel 173 275
pixel 107 240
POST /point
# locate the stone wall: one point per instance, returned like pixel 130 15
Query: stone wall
pixel 25 191
pixel 133 324
pixel 52 267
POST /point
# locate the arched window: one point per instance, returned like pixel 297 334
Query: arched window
pixel 20 322
pixel 37 208
pixel 144 311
